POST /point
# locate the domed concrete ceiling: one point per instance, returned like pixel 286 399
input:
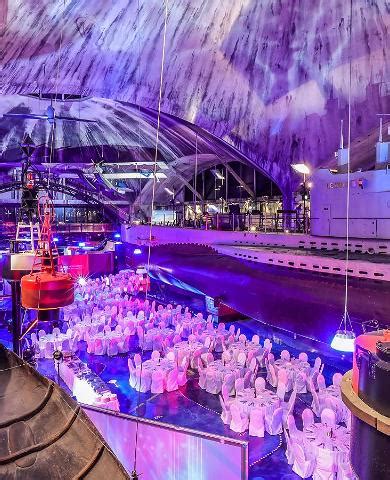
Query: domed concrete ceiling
pixel 269 77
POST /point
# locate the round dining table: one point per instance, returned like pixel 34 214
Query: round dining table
pixel 236 348
pixel 266 400
pixel 336 439
pixel 222 370
pixel 185 349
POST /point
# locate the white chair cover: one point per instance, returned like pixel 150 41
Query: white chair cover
pixel 256 422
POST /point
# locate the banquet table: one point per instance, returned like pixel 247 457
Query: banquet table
pixel 247 400
pixel 293 368
pixel 86 386
pixel 161 364
pixel 218 368
pixel 55 340
pixel 336 439
pixel 185 349
pixel 244 347
pixel 154 332
pixel 335 393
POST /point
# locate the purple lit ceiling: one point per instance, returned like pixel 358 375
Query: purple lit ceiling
pixel 269 77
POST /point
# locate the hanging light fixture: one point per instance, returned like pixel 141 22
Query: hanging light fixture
pixel 344 339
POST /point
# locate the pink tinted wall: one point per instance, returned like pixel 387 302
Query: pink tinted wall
pixel 169 453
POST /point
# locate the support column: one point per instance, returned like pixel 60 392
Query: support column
pixel 16 317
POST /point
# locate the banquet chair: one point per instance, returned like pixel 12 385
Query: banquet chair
pixel 229 382
pixel 230 340
pixel 336 379
pixel 49 350
pixel 213 382
pixel 317 365
pixel 271 358
pixel 207 342
pixel 300 383
pixel 41 333
pixel 303 466
pixel 315 406
pixel 155 356
pixel 225 390
pixel 247 379
pixel 328 417
pixel 289 451
pixel 288 407
pixel 259 385
pixel 271 375
pixel 307 418
pixel 65 345
pixel 207 358
pixel 107 329
pixel 112 347
pixel 241 359
pixel 132 371
pixel 225 415
pixel 56 331
pixel 274 423
pixel 295 434
pixel 158 380
pixel 256 339
pixel 321 382
pixel 74 343
pixel 176 339
pixel 34 339
pixel 232 329
pixel 202 376
pixel 344 470
pixel 303 357
pixel 171 381
pixel 256 422
pixel 137 360
pixel 99 347
pixel 219 345
pixel 170 355
pixel 334 404
pixel 226 357
pixel 237 335
pixel 182 374
pixel 143 380
pixel 325 464
pixel 242 338
pixel 239 385
pixel 123 344
pixel 253 364
pixel 285 355
pixel 196 359
pixel 192 338
pixel 239 420
pixel 118 329
pixel 69 332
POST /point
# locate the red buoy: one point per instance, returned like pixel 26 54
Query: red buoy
pixel 47 289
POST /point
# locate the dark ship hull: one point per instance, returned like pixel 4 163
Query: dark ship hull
pixel 44 434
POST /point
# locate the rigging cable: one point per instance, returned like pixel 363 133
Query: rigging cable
pixel 134 473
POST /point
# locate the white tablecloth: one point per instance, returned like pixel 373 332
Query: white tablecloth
pixel 336 439
pixel 222 370
pixel 244 347
pixel 185 349
pixel 267 401
pixel 162 364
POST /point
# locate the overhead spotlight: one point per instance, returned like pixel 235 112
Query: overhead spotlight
pixel 137 251
pixel 55 239
pixel 117 235
pixel 81 244
pixel 169 191
pixel 218 174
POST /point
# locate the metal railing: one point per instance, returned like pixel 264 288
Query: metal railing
pixel 282 221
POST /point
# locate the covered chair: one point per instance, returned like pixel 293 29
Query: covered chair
pixel 213 382
pixel 289 450
pixel 256 422
pixel 274 424
pixel 158 380
pixel 307 417
pixel 259 385
pixel 171 382
pixel 225 415
pixel 271 375
pixel 303 357
pixel 325 464
pixel 239 422
pixel 112 348
pixel 328 417
pixel 303 466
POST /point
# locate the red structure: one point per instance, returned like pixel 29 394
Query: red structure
pixel 47 289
